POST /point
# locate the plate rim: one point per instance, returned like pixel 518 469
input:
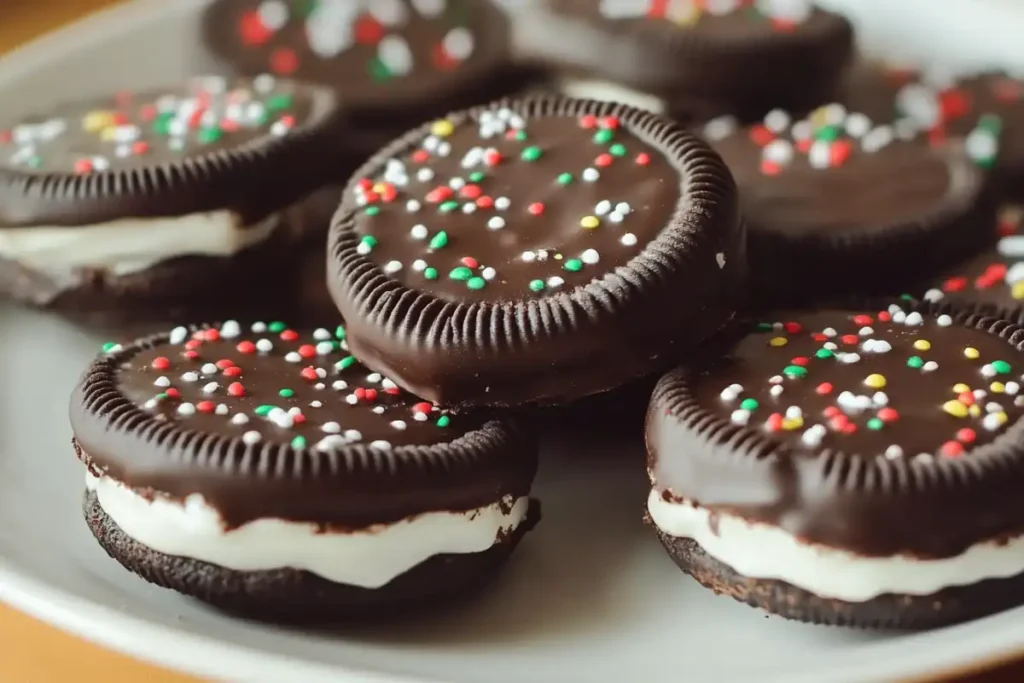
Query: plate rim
pixel 970 647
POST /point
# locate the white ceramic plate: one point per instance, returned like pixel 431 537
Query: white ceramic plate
pixel 590 596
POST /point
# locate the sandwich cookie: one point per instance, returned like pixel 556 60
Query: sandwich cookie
pixel 692 59
pixel 395 62
pixel 266 471
pixel 857 467
pixel 535 252
pixel 839 206
pixel 141 202
pixel 991 282
pixel 984 110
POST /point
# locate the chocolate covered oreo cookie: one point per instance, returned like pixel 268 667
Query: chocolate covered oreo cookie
pixel 266 471
pixel 854 467
pixel 839 206
pixel 140 202
pixel 395 62
pixel 535 252
pixel 986 110
pixel 688 58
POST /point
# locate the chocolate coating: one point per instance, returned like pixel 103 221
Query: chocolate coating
pixel 150 416
pixel 525 219
pixel 854 477
pixel 501 341
pixel 838 207
pixel 703 64
pixel 384 56
pixel 254 146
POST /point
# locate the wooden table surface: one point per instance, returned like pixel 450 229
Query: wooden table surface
pixel 34 652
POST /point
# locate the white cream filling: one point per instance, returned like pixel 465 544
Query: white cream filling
pixel 130 245
pixel 610 92
pixel 761 551
pixel 368 558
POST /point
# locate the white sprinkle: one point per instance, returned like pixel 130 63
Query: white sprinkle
pixel 794 412
pixel 398 424
pixel 259 328
pixel 847 357
pixel 629 239
pixel 319 386
pixel 331 428
pixel 987 370
pixel 295 410
pixel 929 366
pixel 381 445
pixel 992 422
pixel 230 329
pixel 353 435
pixel 150 404
pixel 412 206
pixel 720 259
pixel 330 442
pixel 740 417
pixel 529 256
pixel 419 232
pixel 352 399
pixel 880 399
pixel 502 203
pixel 933 295
pixel 555 281
pixel 388 384
pixel 281 418
pixel 324 348
pixel 496 223
pixel 186 409
pixel 831 346
pixel 316 404
pixel 190 377
pixel 944 320
pixel 339 385
pixel 210 388
pixel 590 256
pixel 222 409
pixel 914 319
pixel 829 332
pixel 178 335
pixel 264 345
pixel 777 120
pixel 776 390
pixel 373 377
pixel 776 379
pixel 251 438
pixel 615 217
pixel 899 317
pixel 893 452
pixel 293 357
pixel 456 183
pixel 857 125
pixel 392 267
pixel 602 208
pixel 379 410
pixel 363 248
pixel 814 435
pixel 209 369
pixel 1012 388
pixel 590 175
pixel 419 265
pixel 488 273
pixel 993 407
pixel 979 394
pixel 731 392
pixel 865 331
pixel 162 382
pixel 419 417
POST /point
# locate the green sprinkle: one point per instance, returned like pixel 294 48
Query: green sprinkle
pixel 210 135
pixel 564 178
pixel 372 210
pixel 764 327
pixel 795 371
pixel 573 265
pixel 339 332
pixel 749 404
pixel 280 102
pixel 263 410
pixel 277 327
pixel 162 123
pixel 35 161
pixel 907 297
pixel 992 123
pixel 299 442
pixel 828 133
pixel 460 274
pixel 476 283
pixel 345 363
pixel 1001 366
pixel 537 285
pixel 378 71
pixel 444 421
pixel 477 176
pixel 439 241
pixel 520 135
pixel 823 353
pixel 286 393
pixel 161 396
pixel 110 347
pixel 448 206
pixel 531 153
pixel 370 241
pixel 875 423
pixel 430 273
pixel 617 150
pixel 604 136
pixel 915 362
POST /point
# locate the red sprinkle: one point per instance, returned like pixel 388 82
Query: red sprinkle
pixel 774 422
pixel 643 159
pixel 966 435
pixel 298 419
pixel 884 316
pixel 173 393
pixel 863 319
pixel 761 135
pixel 793 327
pixel 284 61
pixel 289 335
pixel 246 347
pixel 604 160
pixel 819 337
pixel 471 191
pixel 233 371
pixel 206 406
pixel 309 373
pixel 211 335
pixel 952 449
pixel 536 208
pixel 849 339
pixel 770 167
pixel 485 202
pixel 420 156
pixel 610 122
pixel 967 398
pixel 365 184
pixel 161 363
pixel 236 389
pixel 307 350
pixel 224 363
pixel 191 355
pixel 824 388
pixel 800 360
pixel 832 411
pixel 888 415
pixel 589 121
pixel 849 428
pixel 493 157
pixel 83 166
pixel 193 344
pixel 140 147
pixel 469 262
pixel 423 407
pixel 955 284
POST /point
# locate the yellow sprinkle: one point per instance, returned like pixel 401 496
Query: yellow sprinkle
pixel 997 387
pixel 108 134
pixel 819 117
pixel 96 121
pixel 922 345
pixel 688 16
pixel 442 128
pixel 1001 417
pixel 789 424
pixel 1017 290
pixel 875 381
pixel 590 222
pixel 379 188
pixel 974 410
pixel 955 408
pixel 971 352
pixel 960 388
pixel 778 341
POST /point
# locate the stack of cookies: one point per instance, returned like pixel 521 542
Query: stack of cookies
pixel 788 248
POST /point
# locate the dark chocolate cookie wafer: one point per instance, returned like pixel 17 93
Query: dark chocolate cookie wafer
pixel 150 203
pixel 985 109
pixel 838 206
pixel 267 471
pixel 691 59
pixel 396 63
pixel 535 252
pixel 857 467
